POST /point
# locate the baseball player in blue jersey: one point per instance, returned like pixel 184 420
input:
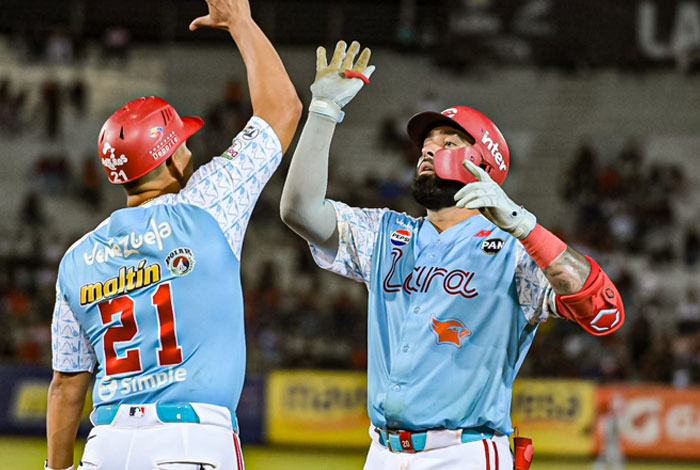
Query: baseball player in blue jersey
pixel 455 297
pixel 151 299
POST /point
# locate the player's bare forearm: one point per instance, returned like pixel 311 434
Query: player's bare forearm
pixel 272 93
pixel 568 273
pixel 65 402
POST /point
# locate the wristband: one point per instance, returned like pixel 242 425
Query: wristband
pixel 354 74
pixel 543 246
pixel 46 467
pixel 326 107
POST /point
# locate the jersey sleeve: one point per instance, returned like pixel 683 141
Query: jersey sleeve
pixel 357 235
pixel 229 186
pixel 535 294
pixel 70 347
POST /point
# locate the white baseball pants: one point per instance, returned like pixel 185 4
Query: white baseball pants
pixel 485 454
pixel 144 443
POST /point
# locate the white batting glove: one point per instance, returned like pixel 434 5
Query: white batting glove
pixel 494 204
pixel 338 82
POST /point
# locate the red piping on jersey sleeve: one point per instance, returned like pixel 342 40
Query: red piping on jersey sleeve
pixel 543 246
pixel 597 306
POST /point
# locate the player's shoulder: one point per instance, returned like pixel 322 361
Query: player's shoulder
pixel 392 217
pixel 257 126
pixel 487 228
pixel 72 249
pixel 78 250
pixel 256 139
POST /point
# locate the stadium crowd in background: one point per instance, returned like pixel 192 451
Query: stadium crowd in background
pixel 292 327
pixel 631 208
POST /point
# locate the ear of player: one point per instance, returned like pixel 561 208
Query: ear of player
pixel 338 82
pixel 487 196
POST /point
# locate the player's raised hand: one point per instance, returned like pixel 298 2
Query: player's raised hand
pixel 222 14
pixel 338 82
pixel 487 196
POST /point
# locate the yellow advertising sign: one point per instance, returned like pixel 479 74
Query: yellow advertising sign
pixel 317 407
pixel 557 414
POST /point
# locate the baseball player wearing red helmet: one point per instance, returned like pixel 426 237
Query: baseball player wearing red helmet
pixel 151 299
pixel 455 297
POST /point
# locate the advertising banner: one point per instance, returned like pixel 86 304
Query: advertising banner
pixel 317 408
pixel 250 410
pixel 650 421
pixel 23 403
pixel 557 414
pixel 23 400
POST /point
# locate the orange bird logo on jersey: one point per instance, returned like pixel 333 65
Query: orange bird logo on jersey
pixel 450 330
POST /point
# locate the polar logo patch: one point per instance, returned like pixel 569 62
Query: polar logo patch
pixel 180 261
pixel 400 237
pixel 491 246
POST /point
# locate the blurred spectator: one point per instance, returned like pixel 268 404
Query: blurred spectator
pixel 51 103
pixel 5 100
pixel 11 107
pixel 691 246
pixel 629 164
pixel 52 173
pixel 391 136
pixel 640 337
pixel 77 96
pixel 610 456
pixel 31 212
pixel 115 44
pixel 581 178
pixel 59 47
pixel 686 345
pixel 89 189
pixel 689 311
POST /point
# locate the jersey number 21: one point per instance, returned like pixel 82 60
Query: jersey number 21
pixel 169 352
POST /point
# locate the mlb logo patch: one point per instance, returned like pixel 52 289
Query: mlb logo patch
pixel 137 411
pixel 400 237
pixel 491 246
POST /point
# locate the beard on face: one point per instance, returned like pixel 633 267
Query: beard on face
pixel 433 192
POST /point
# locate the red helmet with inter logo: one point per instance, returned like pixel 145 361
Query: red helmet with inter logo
pixel 141 135
pixel 489 150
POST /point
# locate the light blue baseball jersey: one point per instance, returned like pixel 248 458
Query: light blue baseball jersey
pixel 153 297
pixel 451 316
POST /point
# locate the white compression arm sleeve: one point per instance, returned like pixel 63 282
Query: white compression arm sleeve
pixel 303 206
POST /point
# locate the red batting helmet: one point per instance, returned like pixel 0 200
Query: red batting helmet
pixel 489 150
pixel 141 135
